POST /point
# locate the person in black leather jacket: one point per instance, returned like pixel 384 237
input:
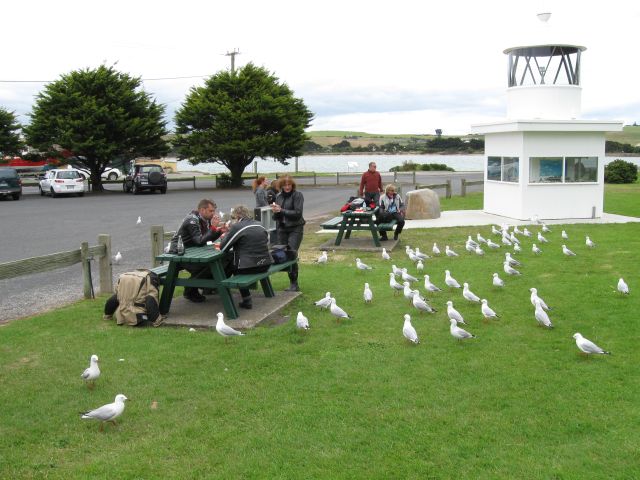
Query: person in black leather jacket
pixel 196 231
pixel 287 212
pixel 247 247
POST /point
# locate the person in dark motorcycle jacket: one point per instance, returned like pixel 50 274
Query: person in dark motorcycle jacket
pixel 196 230
pixel 247 247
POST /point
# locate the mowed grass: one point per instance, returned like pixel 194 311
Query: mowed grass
pixel 350 399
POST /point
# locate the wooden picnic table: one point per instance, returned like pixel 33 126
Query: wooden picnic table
pixel 353 220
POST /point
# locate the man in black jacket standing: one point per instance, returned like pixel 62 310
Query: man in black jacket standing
pixel 247 244
pixel 196 231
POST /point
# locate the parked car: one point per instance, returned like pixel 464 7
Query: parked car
pixel 10 183
pixel 145 177
pixel 67 181
pixel 108 174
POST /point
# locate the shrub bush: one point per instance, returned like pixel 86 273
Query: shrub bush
pixel 409 166
pixel 620 171
pixel 223 180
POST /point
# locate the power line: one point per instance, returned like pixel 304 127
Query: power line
pixel 143 79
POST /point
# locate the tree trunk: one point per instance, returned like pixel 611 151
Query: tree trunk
pixel 96 182
pixel 236 168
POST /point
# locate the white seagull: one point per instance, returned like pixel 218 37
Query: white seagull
pixel 367 294
pixel 420 255
pixel 492 244
pixel 430 287
pixel 587 346
pixel 108 412
pixel 545 229
pixel 139 221
pixel 509 270
pixel 396 270
pixel 393 283
pixel 324 302
pixel 92 372
pixel 408 277
pixel 453 314
pixel 408 331
pixel 479 251
pixel 225 330
pixel 512 261
pixel 564 235
pixel 419 266
pixel 535 249
pixel 337 312
pixel 497 281
pixel 526 232
pixel 302 322
pixel 450 281
pixel 117 258
pixel 541 315
pixel 435 249
pixel 487 311
pixel 468 294
pixel 449 252
pixel 534 296
pixel 514 239
pixel 459 333
pixel 541 239
pixel 567 252
pixel 589 243
pixel 516 230
pixel 323 258
pixel 407 291
pixel 362 266
pixel 516 248
pixel 385 255
pixel 421 303
pixel 480 238
pixel 623 287
pixel 495 231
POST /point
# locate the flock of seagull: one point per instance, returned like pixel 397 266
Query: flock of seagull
pixel 401 281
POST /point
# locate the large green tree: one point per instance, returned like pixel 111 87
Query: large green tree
pixel 238 116
pixel 10 143
pixel 98 115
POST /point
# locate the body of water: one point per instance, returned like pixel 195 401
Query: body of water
pixel 357 163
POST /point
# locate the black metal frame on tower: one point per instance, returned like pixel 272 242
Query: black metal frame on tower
pixel 545 58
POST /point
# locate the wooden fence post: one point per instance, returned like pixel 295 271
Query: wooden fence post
pixel 157 243
pixel 315 182
pixel 106 271
pixel 448 189
pixel 463 187
pixel 194 182
pixel 414 177
pixel 86 269
pixel 337 178
pixel 395 177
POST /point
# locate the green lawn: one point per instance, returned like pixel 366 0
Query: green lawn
pixel 350 400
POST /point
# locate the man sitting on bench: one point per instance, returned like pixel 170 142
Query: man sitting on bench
pixel 247 244
pixel 391 208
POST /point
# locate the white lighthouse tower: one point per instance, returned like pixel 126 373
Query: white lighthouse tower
pixel 543 160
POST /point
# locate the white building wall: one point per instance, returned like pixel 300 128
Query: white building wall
pixel 503 198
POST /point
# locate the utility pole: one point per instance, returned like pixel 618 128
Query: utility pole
pixel 233 58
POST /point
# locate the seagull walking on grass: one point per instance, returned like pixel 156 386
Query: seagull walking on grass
pixel 449 252
pixel 589 243
pixel 534 296
pixel 497 281
pixel 323 258
pixel 535 249
pixel 545 229
pixel 541 315
pixel 509 270
pixel 408 331
pixel 459 333
pixel 435 249
pixel 367 294
pixel 492 244
pixel 337 312
pixel 623 287
pixel 567 252
pixel 419 266
pixel 396 270
pixel 541 239
pixel 468 294
pixel 420 255
pixel 108 412
pixel 362 266
pixel 302 322
pixel 478 251
pixel 92 372
pixel 517 248
pixel 526 232
pixel 324 302
pixel 588 347
pixel 430 287
pixel 480 238
pixel 454 314
pixel 225 330
pixel 564 235
pixel 393 283
pixel 408 277
pixel 407 291
pixel 421 303
pixel 512 261
pixel 385 255
pixel 450 281
pixel 487 311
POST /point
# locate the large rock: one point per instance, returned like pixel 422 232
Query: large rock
pixel 422 204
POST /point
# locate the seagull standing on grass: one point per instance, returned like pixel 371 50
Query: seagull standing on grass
pixel 108 412
pixel 541 315
pixel 497 281
pixel 419 266
pixel 535 249
pixel 408 331
pixel 526 232
pixel 516 230
pixel 420 255
pixel 324 302
pixel 362 266
pixel 367 294
pixel 302 322
pixel 450 281
pixel 541 239
pixel 408 277
pixel 396 270
pixel 545 229
pixel 323 258
pixel 385 255
pixel 589 243
pixel 421 303
pixel 587 346
pixel 225 330
pixel 430 287
pixel 449 252
pixel 492 244
pixel 408 293
pixel 459 333
pixel 487 311
pixel 479 251
pixel 393 283
pixel 468 294
pixel 516 248
pixel 435 249
pixel 564 235
pixel 512 261
pixel 337 312
pixel 480 238
pixel 509 270
pixel 453 314
pixel 495 231
pixel 623 287
pixel 567 252
pixel 534 296
pixel 91 373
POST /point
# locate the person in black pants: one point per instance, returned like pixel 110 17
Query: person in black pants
pixel 391 208
pixel 287 212
pixel 247 247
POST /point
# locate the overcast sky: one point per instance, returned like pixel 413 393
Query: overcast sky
pixel 374 66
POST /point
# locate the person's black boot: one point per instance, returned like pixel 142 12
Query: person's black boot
pixel 293 280
pixel 246 303
pixel 193 295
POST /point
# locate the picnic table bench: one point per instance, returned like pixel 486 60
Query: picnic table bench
pixel 250 280
pixel 352 220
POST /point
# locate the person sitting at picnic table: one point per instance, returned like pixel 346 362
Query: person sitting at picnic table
pixel 391 208
pixel 247 247
pixel 196 230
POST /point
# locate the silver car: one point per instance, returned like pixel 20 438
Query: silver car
pixel 68 181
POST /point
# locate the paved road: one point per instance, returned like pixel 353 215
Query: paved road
pixel 38 225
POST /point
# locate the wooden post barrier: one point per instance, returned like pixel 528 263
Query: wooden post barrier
pixel 87 283
pixel 463 187
pixel 106 270
pixel 157 243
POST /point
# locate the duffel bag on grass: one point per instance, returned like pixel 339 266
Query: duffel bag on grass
pixel 136 299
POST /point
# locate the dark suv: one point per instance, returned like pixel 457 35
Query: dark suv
pixel 145 177
pixel 10 183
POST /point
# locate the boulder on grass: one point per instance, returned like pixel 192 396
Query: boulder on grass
pixel 422 204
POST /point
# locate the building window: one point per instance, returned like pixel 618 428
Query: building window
pixel 581 169
pixel 563 169
pixel 545 169
pixel 503 169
